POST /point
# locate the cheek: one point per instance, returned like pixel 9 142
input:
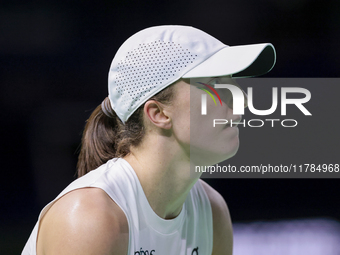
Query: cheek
pixel 181 123
pixel 202 132
pixel 201 126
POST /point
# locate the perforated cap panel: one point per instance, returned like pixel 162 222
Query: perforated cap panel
pixel 148 67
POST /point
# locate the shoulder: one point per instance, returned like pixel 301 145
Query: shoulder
pixel 222 226
pixel 84 221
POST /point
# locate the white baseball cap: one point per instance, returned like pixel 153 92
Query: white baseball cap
pixel 156 57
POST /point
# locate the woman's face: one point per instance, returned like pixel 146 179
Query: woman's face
pixel 206 144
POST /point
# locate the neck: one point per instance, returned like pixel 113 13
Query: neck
pixel 163 170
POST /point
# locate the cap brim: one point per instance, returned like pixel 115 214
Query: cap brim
pixel 239 61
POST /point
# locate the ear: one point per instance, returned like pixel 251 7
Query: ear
pixel 157 115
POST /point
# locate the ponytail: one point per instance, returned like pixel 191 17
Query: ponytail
pixel 98 141
pixel 106 137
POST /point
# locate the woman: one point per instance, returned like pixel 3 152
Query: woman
pixel 136 194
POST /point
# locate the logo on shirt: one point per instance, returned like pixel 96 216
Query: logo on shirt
pixel 146 252
pixel 195 251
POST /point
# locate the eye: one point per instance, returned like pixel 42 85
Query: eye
pixel 214 81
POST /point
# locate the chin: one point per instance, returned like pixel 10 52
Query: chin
pixel 227 156
pixel 232 154
pixel 232 150
pixel 216 158
pixel 214 155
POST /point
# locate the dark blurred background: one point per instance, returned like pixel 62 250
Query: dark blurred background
pixel 54 60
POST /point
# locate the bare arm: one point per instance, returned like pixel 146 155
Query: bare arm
pixel 222 226
pixel 84 221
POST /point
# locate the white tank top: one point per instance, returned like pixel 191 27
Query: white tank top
pixel 190 233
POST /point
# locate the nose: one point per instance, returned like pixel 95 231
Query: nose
pixel 230 100
pixel 245 99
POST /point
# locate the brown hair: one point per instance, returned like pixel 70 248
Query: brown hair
pixel 106 137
